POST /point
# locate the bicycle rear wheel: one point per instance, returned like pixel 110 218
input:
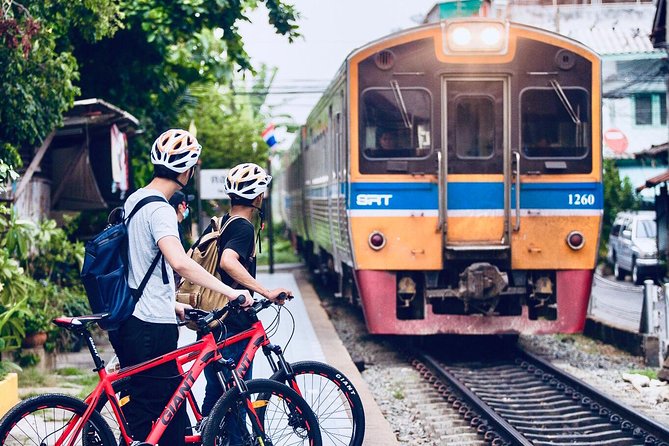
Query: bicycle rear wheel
pixel 284 416
pixel 44 420
pixel 333 398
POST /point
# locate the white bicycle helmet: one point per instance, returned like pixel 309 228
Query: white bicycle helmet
pixel 247 180
pixel 176 149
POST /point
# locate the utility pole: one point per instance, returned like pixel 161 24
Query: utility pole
pixel 270 224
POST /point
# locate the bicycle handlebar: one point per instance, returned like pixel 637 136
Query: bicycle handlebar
pixel 205 319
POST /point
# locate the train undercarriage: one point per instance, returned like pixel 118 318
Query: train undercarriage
pixel 469 296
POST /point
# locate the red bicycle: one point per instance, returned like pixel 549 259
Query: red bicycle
pixel 265 412
pixel 330 394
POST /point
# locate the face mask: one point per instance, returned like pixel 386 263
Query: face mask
pixel 186 213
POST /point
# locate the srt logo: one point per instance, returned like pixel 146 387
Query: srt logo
pixel 373 199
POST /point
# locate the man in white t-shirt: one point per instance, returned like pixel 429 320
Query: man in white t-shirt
pixel 152 330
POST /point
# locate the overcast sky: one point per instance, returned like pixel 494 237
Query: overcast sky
pixel 330 30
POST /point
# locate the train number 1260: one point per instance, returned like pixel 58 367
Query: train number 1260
pixel 582 199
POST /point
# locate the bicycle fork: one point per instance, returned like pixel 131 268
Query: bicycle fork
pixel 249 407
pixel 282 364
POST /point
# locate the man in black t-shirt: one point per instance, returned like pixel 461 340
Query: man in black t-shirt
pixel 245 185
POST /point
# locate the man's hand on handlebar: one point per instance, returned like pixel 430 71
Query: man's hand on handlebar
pixel 279 295
pixel 180 309
pixel 246 301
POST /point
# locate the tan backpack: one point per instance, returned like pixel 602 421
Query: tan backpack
pixel 206 253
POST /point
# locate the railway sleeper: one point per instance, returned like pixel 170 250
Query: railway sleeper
pixel 548 430
pixel 588 443
pixel 581 422
pixel 594 437
pixel 532 408
pixel 520 398
pixel 562 411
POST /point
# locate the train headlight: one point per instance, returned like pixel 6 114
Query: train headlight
pixel 475 37
pixel 376 240
pixel 461 36
pixel 575 240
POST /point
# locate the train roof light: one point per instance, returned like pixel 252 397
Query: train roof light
pixel 474 37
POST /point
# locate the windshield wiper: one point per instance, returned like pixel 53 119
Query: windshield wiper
pixel 565 102
pixel 395 86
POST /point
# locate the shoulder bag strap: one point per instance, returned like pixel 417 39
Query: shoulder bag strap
pixel 220 247
pixel 137 293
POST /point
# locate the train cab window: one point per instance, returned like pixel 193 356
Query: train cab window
pixel 555 123
pixel 395 123
pixel 475 123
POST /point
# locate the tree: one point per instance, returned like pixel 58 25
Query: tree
pixel 38 75
pixel 618 196
pixel 174 45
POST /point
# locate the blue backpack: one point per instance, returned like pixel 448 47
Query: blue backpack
pixel 105 270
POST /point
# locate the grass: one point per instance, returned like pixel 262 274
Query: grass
pixel 283 252
pixel 398 394
pixel 32 377
pixel 650 373
pixel 68 377
pixel 69 371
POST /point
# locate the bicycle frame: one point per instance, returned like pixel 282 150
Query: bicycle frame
pixel 257 337
pixel 202 353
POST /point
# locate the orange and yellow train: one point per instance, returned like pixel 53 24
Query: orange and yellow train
pixel 450 179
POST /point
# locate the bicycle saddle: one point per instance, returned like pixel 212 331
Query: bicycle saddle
pixel 71 323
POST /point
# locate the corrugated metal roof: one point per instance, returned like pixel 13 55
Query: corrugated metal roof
pixel 652 182
pixel 622 39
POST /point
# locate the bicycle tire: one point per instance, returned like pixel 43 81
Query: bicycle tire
pixel 285 416
pixel 334 400
pixel 37 419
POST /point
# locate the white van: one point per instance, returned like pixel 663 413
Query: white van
pixel 633 246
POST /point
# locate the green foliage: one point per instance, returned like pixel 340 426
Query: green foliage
pixel 174 46
pixel 227 128
pixel 7 367
pixel 37 82
pixel 7 173
pixel 618 196
pixel 39 280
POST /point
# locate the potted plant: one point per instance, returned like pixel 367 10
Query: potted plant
pixel 36 325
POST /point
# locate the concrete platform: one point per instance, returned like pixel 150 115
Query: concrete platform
pixel 314 339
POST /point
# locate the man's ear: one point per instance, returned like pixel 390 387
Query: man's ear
pixel 257 201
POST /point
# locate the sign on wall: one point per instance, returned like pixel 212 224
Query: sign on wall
pixel 212 184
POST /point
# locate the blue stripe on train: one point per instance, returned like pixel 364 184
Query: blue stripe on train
pixel 465 196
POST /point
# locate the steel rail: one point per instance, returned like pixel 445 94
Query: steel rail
pixel 650 426
pixel 503 428
pixel 580 400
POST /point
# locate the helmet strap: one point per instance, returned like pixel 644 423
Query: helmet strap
pixel 261 227
pixel 178 182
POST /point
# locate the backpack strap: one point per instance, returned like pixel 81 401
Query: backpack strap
pixel 220 247
pixel 137 293
pixel 141 203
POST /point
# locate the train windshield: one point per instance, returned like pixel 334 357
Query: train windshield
pixel 555 122
pixel 395 122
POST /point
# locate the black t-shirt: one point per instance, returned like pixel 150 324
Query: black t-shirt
pixel 240 237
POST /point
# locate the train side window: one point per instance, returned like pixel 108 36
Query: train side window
pixel 475 123
pixel 395 123
pixel 555 122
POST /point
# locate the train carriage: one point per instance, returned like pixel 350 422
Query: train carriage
pixel 452 172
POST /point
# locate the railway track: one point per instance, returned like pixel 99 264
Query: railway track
pixel 523 400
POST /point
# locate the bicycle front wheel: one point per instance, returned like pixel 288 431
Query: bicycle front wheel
pixel 284 418
pixel 332 397
pixel 47 420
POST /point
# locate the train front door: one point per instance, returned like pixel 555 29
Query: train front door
pixel 475 170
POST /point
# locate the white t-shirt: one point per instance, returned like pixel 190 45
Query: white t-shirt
pixel 150 224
